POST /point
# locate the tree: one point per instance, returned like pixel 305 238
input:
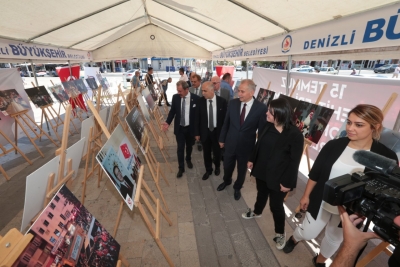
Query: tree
pixel 244 64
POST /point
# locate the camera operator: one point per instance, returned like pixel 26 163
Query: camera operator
pixel 355 240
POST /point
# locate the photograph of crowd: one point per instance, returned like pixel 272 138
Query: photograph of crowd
pixel 91 81
pixel 70 88
pixel 293 102
pixel 136 125
pixel 39 96
pixel 11 102
pixel 67 234
pixel 80 85
pixel 312 120
pixel 265 96
pixel 59 93
pixel 121 164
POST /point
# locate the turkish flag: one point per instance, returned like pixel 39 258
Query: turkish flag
pixel 65 75
pixel 125 151
pixel 221 70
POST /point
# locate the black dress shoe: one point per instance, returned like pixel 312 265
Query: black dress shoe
pixel 179 174
pixel 217 171
pixel 206 175
pixel 190 164
pixel 222 186
pixel 237 194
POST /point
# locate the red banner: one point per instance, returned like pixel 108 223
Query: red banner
pixel 66 75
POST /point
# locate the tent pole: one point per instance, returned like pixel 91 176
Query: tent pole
pixel 27 69
pixel 69 66
pixel 212 67
pixel 289 67
pixel 247 68
pixel 362 64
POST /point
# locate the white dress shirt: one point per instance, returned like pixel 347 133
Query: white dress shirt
pixel 187 108
pixel 248 107
pixel 214 105
pixel 184 77
pixel 197 90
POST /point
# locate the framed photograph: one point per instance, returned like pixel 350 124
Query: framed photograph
pixel 39 96
pixel 67 234
pixel 92 83
pixel 265 96
pixel 102 81
pixel 11 102
pixel 136 125
pixel 80 85
pixel 149 98
pixel 71 88
pixel 153 92
pixel 121 164
pixel 293 102
pixel 59 93
pixel 144 108
pixel 312 120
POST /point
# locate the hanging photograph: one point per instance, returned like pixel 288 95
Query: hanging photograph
pixel 59 93
pixel 293 102
pixel 121 164
pixel 92 83
pixel 39 96
pixel 265 96
pixel 312 120
pixel 11 102
pixel 80 85
pixel 149 98
pixel 67 234
pixel 70 88
pixel 136 125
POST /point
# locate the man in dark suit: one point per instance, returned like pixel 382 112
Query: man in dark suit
pixel 183 109
pixel 244 117
pixel 195 89
pixel 210 116
pixel 125 185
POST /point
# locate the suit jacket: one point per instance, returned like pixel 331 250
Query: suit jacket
pixel 192 90
pixel 224 93
pixel 284 164
pixel 201 127
pixel 175 112
pixel 241 139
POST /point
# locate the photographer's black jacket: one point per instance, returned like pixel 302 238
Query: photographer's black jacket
pixel 323 164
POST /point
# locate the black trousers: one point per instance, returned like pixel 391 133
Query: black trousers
pixel 275 204
pixel 230 160
pixel 184 138
pixel 210 143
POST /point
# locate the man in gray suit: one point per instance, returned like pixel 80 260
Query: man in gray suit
pixel 222 92
pixel 195 80
pixel 245 115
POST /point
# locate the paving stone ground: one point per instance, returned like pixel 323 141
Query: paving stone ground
pixel 207 228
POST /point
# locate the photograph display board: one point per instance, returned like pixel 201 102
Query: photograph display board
pixel 80 85
pixel 121 164
pixel 265 96
pixel 39 96
pixel 67 234
pixel 92 83
pixel 35 190
pixel 149 98
pixel 75 152
pixel 136 125
pixel 11 102
pixel 101 80
pixel 70 88
pixel 293 102
pixel 152 92
pixel 59 93
pixel 312 120
pixel 144 108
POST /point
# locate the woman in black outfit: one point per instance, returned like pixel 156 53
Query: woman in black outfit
pixel 275 163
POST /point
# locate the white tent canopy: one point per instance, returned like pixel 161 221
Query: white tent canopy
pixel 115 29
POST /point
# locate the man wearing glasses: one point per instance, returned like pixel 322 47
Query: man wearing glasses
pixel 224 93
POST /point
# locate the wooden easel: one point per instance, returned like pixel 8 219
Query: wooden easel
pixel 115 116
pixel 23 117
pixel 139 196
pixel 6 151
pixel 159 119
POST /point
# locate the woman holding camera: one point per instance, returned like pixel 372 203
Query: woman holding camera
pixel 275 163
pixel 364 125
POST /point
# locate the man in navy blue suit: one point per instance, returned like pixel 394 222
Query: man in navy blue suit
pixel 183 110
pixel 245 115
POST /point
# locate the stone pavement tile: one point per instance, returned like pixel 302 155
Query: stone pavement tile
pixel 244 250
pixel 134 262
pixel 183 199
pixel 267 258
pixel 190 258
pixel 186 228
pixel 14 223
pixel 228 213
pixel 207 256
pixel 197 201
pixel 152 255
pixel 212 206
pixel 200 216
pixel 223 243
pixel 132 249
pixel 172 202
pixel 194 187
pixel 208 192
pixel 235 227
pixel 138 231
pixel 185 216
pixel 182 188
pixel 256 237
pixel 217 222
pixel 187 242
pixel 166 229
pixel 228 261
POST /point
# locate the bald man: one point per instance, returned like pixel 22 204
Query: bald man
pixel 222 92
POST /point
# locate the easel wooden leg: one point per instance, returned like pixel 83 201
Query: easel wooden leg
pixel 121 206
pixel 4 173
pixel 27 135
pixel 373 254
pixel 123 260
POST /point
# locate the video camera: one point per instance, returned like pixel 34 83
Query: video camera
pixel 375 195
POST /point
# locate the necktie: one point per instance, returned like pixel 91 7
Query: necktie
pixel 210 117
pixel 242 114
pixel 217 93
pixel 183 112
pixel 197 91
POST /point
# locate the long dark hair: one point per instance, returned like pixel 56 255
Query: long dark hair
pixel 282 112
